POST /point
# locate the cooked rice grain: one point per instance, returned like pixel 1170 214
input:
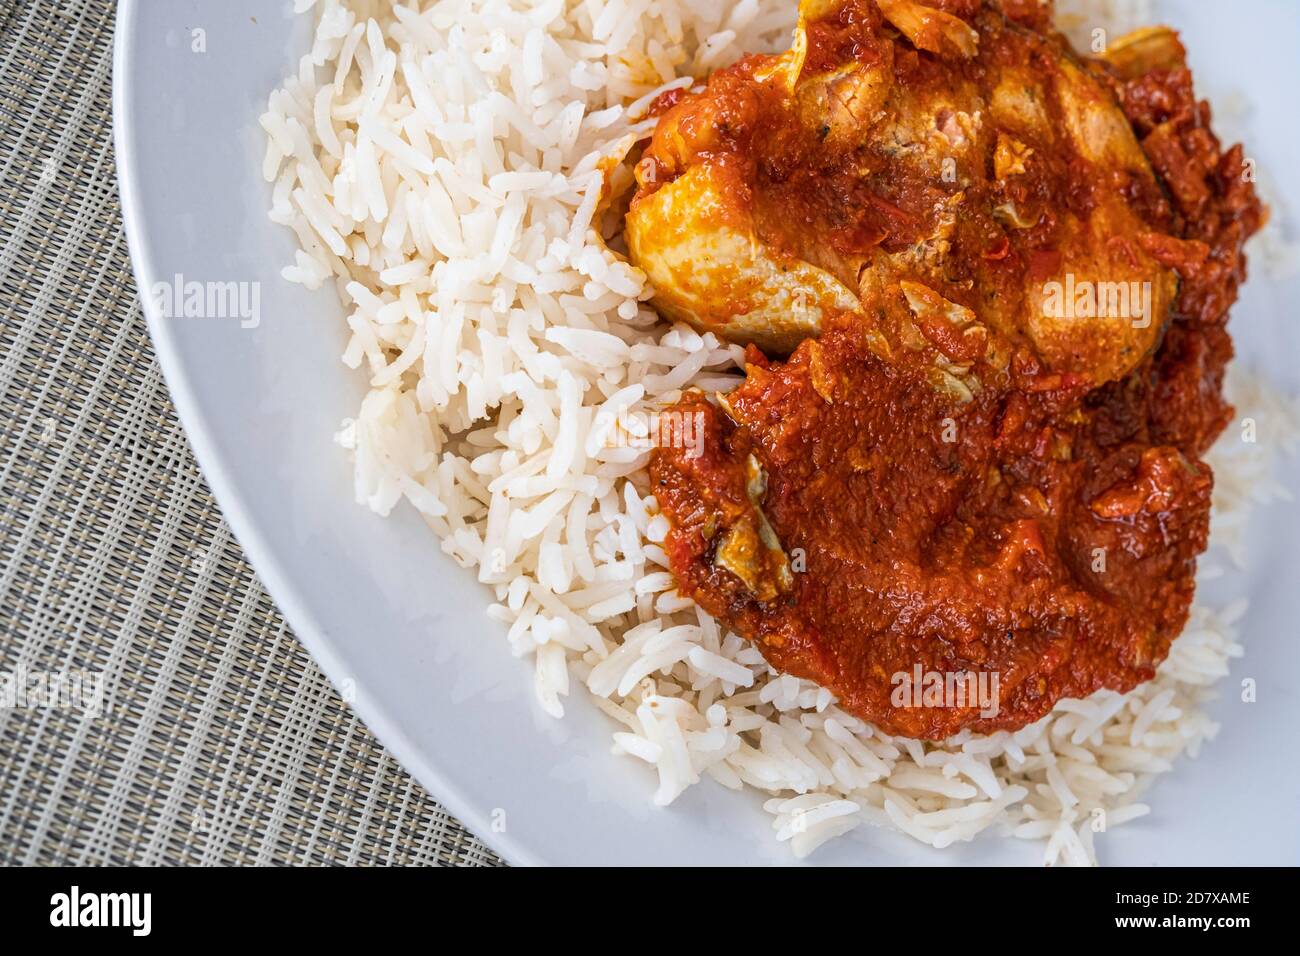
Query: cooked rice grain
pixel 444 164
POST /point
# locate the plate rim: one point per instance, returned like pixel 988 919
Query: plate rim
pixel 261 555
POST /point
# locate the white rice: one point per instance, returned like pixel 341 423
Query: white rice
pixel 442 162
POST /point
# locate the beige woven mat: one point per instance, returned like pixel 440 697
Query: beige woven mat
pixel 221 741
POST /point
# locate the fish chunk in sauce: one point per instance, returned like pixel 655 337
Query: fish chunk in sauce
pixel 941 477
pixel 921 186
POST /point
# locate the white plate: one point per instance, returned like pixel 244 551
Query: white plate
pixel 402 630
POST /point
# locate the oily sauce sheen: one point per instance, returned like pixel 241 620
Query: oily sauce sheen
pixel 856 521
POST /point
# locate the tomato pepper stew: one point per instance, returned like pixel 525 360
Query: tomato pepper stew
pixel 975 445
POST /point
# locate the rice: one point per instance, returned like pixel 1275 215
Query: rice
pixel 451 167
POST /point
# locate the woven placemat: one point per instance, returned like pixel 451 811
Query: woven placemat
pixel 220 741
